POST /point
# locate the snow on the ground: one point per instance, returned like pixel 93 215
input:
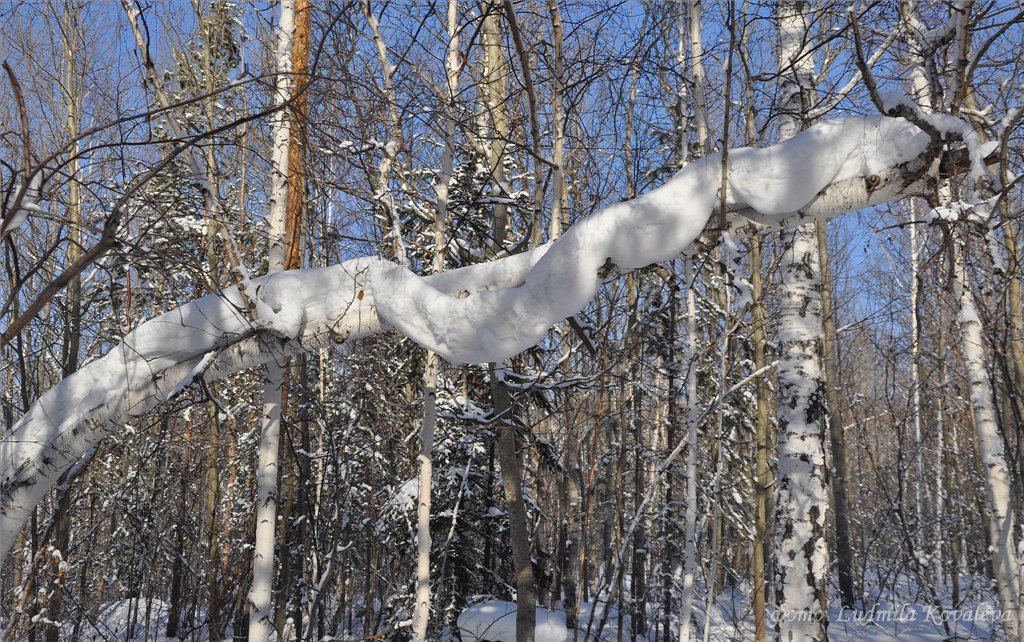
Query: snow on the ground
pixel 495 621
pixel 904 615
pixel 900 612
pixel 126 621
pixel 897 613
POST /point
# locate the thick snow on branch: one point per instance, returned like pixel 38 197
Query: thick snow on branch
pixel 767 183
pixel 485 312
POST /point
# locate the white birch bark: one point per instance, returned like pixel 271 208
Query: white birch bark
pixel 923 96
pixel 392 222
pixel 802 499
pixel 421 612
pixel 696 69
pixel 558 116
pixel 915 379
pixel 1006 563
pixel 689 33
pixel 803 494
pixel 261 615
pixel 692 433
pixel 694 66
pixel 1002 531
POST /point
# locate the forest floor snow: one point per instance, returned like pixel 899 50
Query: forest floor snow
pixel 894 608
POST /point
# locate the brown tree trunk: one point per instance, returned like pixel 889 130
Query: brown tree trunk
pixel 519 526
pixel 840 493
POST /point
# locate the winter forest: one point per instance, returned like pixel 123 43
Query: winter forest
pixel 511 320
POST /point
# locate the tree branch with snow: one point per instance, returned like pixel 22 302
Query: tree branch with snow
pixel 482 313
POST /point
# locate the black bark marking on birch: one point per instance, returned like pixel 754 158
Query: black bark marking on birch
pixel 787 533
pixel 11 486
pixel 817 407
pixel 804 266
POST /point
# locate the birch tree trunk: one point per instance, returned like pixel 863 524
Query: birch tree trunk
pixel 692 420
pixel 802 500
pixel 71 347
pixel 700 115
pixel 391 222
pixel 1002 531
pixel 558 116
pixel 697 76
pixel 421 613
pixel 261 616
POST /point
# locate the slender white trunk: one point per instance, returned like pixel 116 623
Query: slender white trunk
pixel 682 139
pixel 1005 563
pixel 692 420
pixel 261 615
pixel 915 381
pixel 923 96
pixel 421 614
pixel 391 223
pixel 693 64
pixel 700 106
pixel 558 116
pixel 803 496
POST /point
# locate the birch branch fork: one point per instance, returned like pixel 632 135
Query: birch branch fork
pixel 834 167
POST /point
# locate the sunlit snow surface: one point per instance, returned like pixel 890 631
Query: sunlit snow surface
pixel 901 613
pixel 495 621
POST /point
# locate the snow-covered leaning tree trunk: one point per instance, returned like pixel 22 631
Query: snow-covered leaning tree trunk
pixel 486 312
pixel 803 499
